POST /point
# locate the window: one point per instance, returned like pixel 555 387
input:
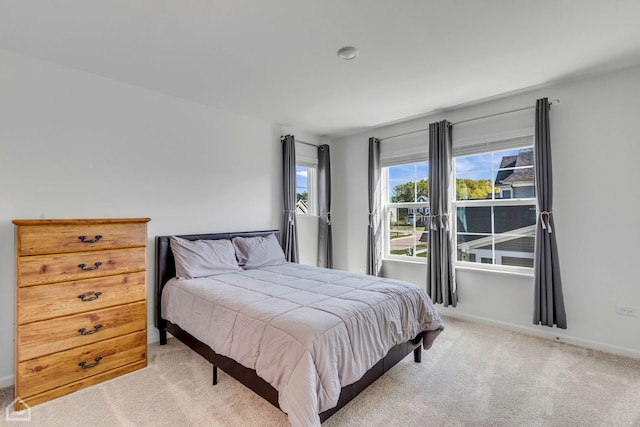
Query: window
pixel 495 206
pixel 305 188
pixel 406 207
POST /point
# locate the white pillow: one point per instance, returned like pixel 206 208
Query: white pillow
pixel 259 251
pixel 200 258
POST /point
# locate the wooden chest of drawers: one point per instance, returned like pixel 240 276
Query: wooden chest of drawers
pixel 81 295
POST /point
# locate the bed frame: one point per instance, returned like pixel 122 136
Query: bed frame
pixel 165 270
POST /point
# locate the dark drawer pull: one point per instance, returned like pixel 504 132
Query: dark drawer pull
pixel 85 268
pixel 83 331
pixel 84 365
pixel 84 298
pixel 83 239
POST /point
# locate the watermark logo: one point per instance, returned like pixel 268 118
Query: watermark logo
pixel 22 415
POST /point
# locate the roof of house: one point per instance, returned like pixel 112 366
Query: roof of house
pixel 524 158
pixel 301 206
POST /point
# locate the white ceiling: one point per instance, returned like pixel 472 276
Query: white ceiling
pixel 276 59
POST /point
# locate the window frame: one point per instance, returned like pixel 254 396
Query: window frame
pixel 412 149
pixel 312 193
pixel 495 202
pixel 386 207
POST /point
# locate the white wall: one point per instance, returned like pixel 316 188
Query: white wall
pixel 75 145
pixel 594 135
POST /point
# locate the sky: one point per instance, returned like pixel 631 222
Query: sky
pixel 482 166
pixel 301 179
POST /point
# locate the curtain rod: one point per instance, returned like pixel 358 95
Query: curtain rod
pixel 306 143
pixel 297 141
pixel 556 101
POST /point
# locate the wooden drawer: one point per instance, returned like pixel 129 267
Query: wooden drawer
pixel 37 238
pixel 55 370
pixel 78 385
pixel 60 299
pixel 50 336
pixel 40 269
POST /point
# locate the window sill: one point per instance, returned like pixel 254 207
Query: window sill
pixel 486 269
pixel 408 261
pixel 471 267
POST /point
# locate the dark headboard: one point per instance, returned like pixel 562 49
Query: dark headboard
pixel 166 265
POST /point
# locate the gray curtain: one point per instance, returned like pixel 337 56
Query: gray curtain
pixel 441 283
pixel 325 244
pixel 548 299
pixel 374 249
pixel 290 231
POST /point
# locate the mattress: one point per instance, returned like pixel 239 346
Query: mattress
pixel 308 331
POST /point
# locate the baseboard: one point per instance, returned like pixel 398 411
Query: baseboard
pixel 552 334
pixel 153 335
pixel 7 381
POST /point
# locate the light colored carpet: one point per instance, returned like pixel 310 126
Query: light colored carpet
pixel 475 375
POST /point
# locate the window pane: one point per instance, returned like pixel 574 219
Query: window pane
pixel 409 183
pixel 422 170
pixel 514 218
pixel 510 172
pixel 474 219
pixel 505 159
pixel 404 244
pixel 515 175
pixel 515 250
pixel 511 245
pixel 407 235
pixel 403 172
pixel 401 191
pixel 302 189
pixel 422 242
pixel 401 233
pixel 480 162
pixel 418 217
pixel 465 255
pixel 474 247
pixel 422 190
pixel 476 186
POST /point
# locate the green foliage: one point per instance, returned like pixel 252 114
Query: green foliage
pixel 466 189
pixel 471 189
pixel 302 196
pixel 410 191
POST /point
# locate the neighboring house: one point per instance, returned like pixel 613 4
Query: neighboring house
pixel 509 250
pixel 519 182
pixel 418 215
pixel 301 207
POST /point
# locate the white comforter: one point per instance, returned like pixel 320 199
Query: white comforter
pixel 307 331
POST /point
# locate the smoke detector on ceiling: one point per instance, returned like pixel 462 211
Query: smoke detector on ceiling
pixel 348 53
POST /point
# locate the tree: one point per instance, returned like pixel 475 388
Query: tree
pixel 410 191
pixel 466 189
pixel 471 189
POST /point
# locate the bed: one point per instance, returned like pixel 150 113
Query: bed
pixel 251 321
